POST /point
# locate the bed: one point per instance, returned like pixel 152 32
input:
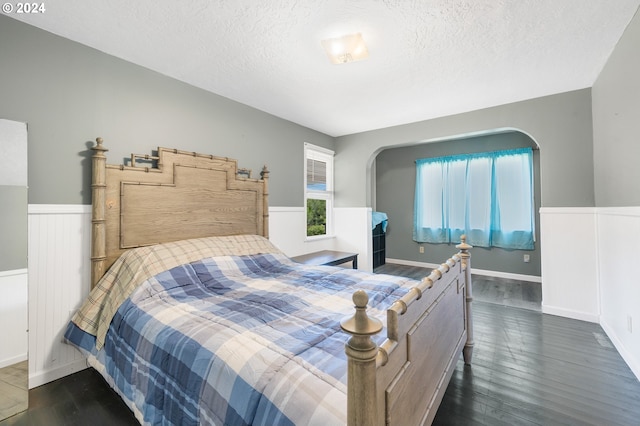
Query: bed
pixel 195 317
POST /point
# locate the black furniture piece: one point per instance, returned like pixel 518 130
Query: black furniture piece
pixel 378 241
pixel 329 258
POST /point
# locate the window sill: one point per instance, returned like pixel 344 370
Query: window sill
pixel 318 238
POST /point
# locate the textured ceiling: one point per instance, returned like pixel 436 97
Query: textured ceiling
pixel 427 58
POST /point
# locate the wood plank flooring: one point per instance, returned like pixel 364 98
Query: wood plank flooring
pixel 528 369
pixel 501 291
pixel 535 369
pixel 81 399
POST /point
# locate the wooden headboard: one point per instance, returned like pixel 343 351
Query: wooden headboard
pixel 175 195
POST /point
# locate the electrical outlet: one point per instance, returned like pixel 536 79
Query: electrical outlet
pixel 421 249
pixel 629 323
pixel 526 258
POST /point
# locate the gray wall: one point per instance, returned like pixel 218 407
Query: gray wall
pixel 70 94
pixel 395 179
pixel 560 124
pixel 13 195
pixel 616 126
pixel 13 227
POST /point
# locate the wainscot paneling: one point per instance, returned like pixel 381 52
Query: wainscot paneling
pixel 569 263
pixel 287 230
pixel 59 272
pixel 618 254
pixel 588 255
pixel 354 234
pixel 352 226
pixel 13 317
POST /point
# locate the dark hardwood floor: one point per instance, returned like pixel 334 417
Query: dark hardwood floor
pixel 534 369
pixel 528 369
pixel 81 399
pixel 501 291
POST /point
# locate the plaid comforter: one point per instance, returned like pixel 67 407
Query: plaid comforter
pixel 236 340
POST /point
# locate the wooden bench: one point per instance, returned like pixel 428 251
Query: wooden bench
pixel 329 258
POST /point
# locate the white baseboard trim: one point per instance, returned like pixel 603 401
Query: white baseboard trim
pixel 495 274
pixel 633 363
pixel 287 209
pixel 45 376
pixel 568 210
pixel 568 313
pixel 14 360
pixel 13 272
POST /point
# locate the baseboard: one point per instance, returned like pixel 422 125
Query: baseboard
pixel 277 209
pixel 568 313
pixel 45 376
pixel 485 273
pixel 13 272
pixel 14 360
pixel 632 362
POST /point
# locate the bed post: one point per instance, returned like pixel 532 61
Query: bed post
pixel 264 174
pixel 361 354
pixel 467 351
pixel 98 194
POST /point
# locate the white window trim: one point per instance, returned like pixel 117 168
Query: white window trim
pixel 322 154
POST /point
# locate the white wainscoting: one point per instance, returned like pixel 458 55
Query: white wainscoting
pixel 618 255
pixel 588 261
pixel 354 234
pixel 569 263
pixel 287 230
pixel 59 280
pixel 13 317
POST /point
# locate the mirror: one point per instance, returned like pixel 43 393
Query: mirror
pixel 14 378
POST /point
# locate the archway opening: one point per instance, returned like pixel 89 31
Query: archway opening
pixel 392 171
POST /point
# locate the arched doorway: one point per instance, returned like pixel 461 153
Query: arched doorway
pixel 393 183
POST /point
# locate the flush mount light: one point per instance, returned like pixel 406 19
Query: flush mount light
pixel 345 49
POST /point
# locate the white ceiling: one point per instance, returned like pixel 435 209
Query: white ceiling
pixel 428 58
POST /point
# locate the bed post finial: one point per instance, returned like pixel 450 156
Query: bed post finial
pixel 98 196
pixel 264 175
pixel 465 256
pixel 361 353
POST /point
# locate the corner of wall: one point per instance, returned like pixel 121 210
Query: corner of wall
pixel 619 295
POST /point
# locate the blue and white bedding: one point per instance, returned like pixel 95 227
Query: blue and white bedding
pixel 236 340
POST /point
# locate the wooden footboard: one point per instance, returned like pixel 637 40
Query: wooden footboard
pixel 402 381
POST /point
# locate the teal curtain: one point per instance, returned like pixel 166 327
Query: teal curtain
pixel 487 196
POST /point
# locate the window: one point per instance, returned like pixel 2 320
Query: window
pixel 318 183
pixel 487 196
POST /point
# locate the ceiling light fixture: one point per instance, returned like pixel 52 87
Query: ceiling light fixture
pixel 345 49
